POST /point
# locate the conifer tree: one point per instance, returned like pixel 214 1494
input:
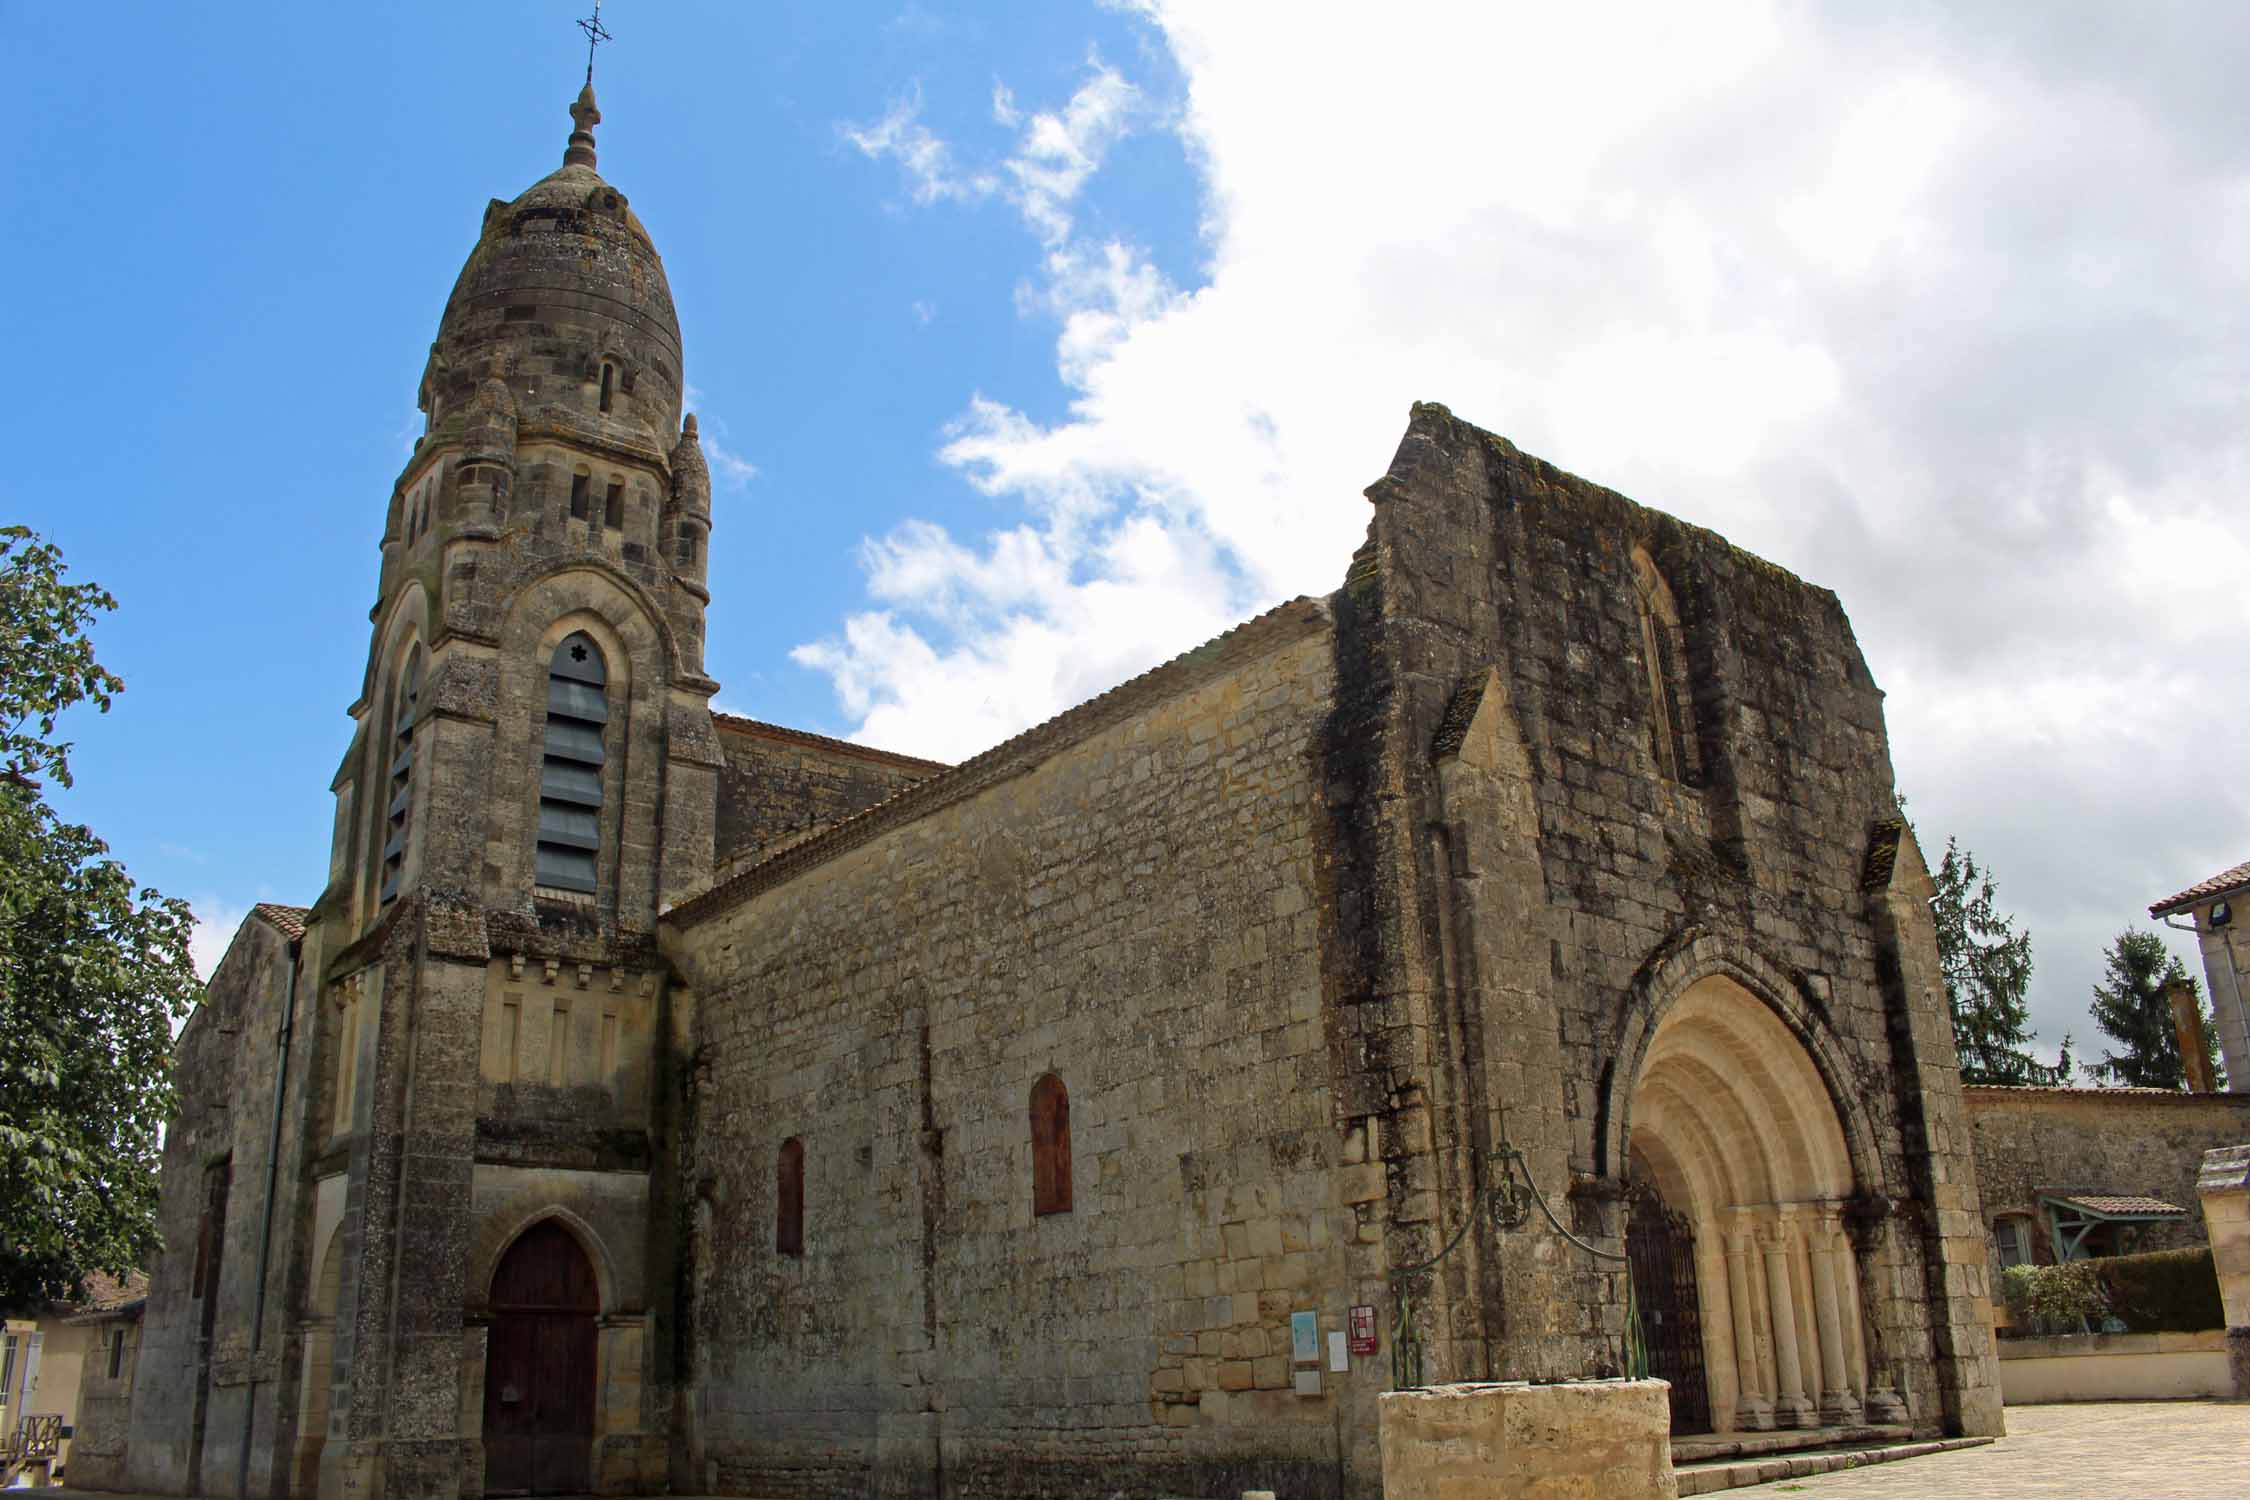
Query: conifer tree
pixel 2134 1011
pixel 1987 967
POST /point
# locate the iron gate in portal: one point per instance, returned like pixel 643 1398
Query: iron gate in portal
pixel 1661 1249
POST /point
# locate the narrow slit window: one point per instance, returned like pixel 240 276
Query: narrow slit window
pixel 398 816
pixel 613 506
pixel 1663 652
pixel 1050 1147
pixel 116 1352
pixel 606 379
pixel 581 491
pixel 570 781
pixel 687 546
pixel 789 1211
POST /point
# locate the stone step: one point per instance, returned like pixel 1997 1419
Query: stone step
pixel 1732 1473
pixel 1708 1445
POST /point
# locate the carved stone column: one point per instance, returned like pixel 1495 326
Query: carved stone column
pixel 1839 1404
pixel 1753 1408
pixel 1790 1408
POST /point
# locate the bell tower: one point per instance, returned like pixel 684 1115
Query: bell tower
pixel 556 493
pixel 532 780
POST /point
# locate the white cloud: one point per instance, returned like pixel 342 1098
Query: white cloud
pixel 216 919
pixel 730 469
pixel 1944 309
pixel 927 161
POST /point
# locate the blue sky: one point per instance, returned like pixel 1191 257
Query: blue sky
pixel 1040 344
pixel 248 221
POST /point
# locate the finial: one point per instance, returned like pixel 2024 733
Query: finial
pixel 583 118
pixel 595 36
pixel 687 429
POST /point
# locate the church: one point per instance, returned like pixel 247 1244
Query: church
pixel 1511 965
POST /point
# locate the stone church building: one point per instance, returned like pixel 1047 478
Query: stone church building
pixel 656 1100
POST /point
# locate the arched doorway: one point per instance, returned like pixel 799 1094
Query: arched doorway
pixel 319 1357
pixel 539 1366
pixel 1734 1134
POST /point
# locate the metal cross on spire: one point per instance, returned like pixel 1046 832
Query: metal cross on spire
pixel 595 36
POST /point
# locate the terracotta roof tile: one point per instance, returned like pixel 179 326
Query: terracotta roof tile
pixel 737 724
pixel 2218 885
pixel 2145 1096
pixel 288 920
pixel 104 1291
pixel 2119 1205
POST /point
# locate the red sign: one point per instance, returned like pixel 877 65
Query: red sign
pixel 1363 1329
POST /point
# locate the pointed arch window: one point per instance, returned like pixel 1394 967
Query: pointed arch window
pixel 398 814
pixel 1050 1147
pixel 570 780
pixel 1664 655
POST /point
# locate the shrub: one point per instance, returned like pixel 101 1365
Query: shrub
pixel 2163 1291
pixel 2053 1299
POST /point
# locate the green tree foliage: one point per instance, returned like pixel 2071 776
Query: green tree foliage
pixel 2133 1011
pixel 1987 965
pixel 2054 1299
pixel 92 972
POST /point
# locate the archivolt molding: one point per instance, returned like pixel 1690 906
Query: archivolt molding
pixel 1690 958
pixel 534 610
pixel 507 1223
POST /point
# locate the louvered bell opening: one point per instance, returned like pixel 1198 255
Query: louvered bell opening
pixel 577 699
pixel 565 869
pixel 570 777
pixel 574 740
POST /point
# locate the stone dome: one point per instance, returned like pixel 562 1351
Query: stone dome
pixel 564 299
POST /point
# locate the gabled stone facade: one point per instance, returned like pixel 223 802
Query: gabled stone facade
pixel 678 1102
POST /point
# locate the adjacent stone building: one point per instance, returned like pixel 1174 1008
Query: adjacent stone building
pixel 2209 907
pixel 659 1100
pixel 2070 1173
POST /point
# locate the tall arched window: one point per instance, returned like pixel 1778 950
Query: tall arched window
pixel 399 813
pixel 789 1203
pixel 1050 1146
pixel 570 780
pixel 1664 653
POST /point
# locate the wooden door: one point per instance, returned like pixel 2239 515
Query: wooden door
pixel 539 1367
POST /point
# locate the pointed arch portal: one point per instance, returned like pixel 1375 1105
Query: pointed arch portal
pixel 1734 1131
pixel 539 1366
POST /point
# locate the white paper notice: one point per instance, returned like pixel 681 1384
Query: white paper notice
pixel 1338 1360
pixel 1308 1382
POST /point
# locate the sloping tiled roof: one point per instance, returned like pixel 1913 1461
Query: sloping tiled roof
pixel 2217 885
pixel 2120 1205
pixel 1284 623
pixel 104 1291
pixel 289 921
pixel 107 1297
pixel 2003 1090
pixel 758 728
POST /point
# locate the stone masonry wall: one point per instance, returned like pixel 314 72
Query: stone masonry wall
pixel 2033 1141
pixel 189 1400
pixel 779 784
pixel 1746 852
pixel 1134 912
pixel 97 1451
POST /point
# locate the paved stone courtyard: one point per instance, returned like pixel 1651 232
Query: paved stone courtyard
pixel 2148 1450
